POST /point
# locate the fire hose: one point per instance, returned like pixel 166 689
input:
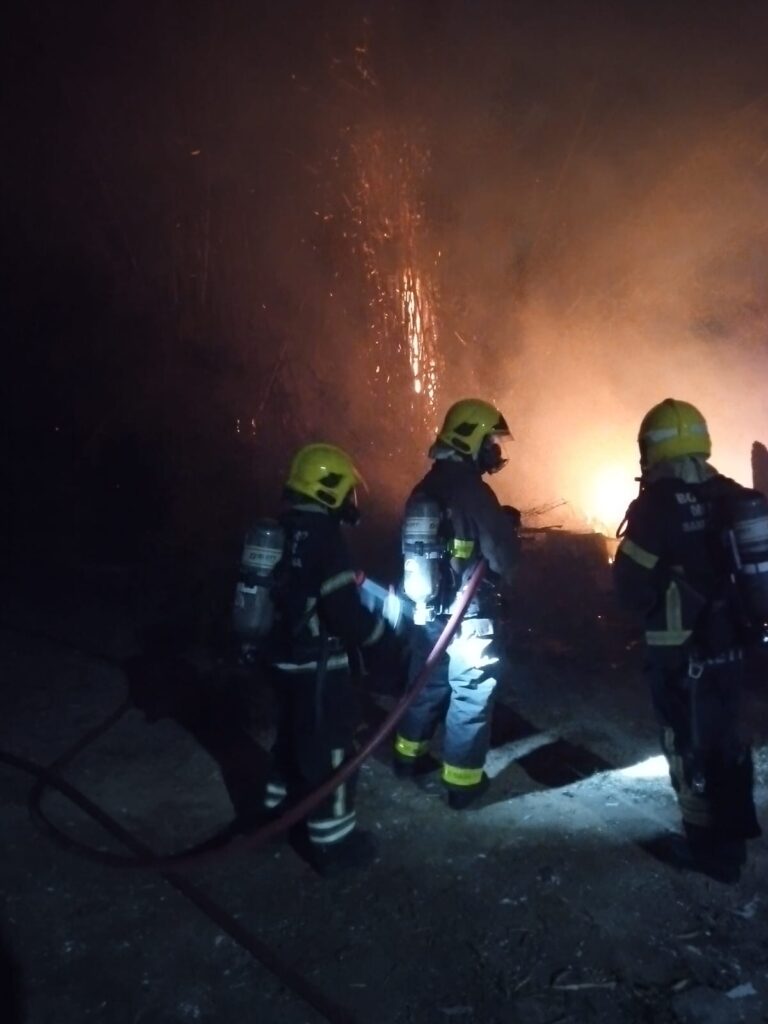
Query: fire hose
pixel 214 847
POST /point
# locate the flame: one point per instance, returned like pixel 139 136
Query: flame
pixel 610 487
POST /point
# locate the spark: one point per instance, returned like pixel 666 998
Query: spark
pixel 417 316
pixel 386 228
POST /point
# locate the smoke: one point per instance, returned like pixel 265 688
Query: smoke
pixel 665 297
pixel 608 240
pixel 585 193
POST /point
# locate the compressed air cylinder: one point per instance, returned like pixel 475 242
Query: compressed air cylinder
pixel 748 515
pixel 253 612
pixel 423 550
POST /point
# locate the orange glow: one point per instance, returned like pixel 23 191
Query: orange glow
pixel 388 233
pixel 610 487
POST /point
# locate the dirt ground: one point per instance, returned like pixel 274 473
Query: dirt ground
pixel 538 906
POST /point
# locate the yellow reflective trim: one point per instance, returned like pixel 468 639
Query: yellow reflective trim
pixel 375 635
pixel 674 609
pixel 334 661
pixel 674 634
pixel 461 548
pixel 462 776
pixel 340 796
pixel 333 583
pixel 638 554
pixel 667 637
pixel 410 748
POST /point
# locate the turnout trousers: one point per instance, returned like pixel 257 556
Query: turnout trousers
pixel 460 692
pixel 317 716
pixel 710 764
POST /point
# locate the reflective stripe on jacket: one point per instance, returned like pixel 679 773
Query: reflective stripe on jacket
pixel 479 527
pixel 316 596
pixel 671 564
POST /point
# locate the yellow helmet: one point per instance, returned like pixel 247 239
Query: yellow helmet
pixel 467 424
pixel 324 473
pixel 672 429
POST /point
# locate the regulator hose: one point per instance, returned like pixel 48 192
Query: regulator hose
pixel 224 843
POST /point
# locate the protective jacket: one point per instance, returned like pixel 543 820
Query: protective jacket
pixel 319 613
pixel 476 525
pixel 672 564
pixel 461 687
pixel 321 631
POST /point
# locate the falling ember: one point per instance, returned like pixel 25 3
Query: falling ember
pixel 418 319
pixel 387 230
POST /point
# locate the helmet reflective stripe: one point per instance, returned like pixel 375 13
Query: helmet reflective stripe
pixel 664 433
pixel 661 434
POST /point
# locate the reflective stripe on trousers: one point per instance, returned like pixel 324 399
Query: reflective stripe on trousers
pixel 460 692
pixel 694 807
pixel 275 793
pixel 331 828
pixel 326 829
pixel 461 777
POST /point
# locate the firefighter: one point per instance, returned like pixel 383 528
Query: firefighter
pixel 322 633
pixel 469 524
pixel 672 566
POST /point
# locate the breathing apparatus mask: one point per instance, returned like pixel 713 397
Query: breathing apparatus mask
pixel 349 512
pixel 491 457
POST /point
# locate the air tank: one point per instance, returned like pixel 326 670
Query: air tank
pixel 748 538
pixel 253 611
pixel 423 550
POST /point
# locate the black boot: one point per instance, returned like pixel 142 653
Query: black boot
pixel 462 797
pixel 355 851
pixel 718 846
pixel 715 860
pixel 414 767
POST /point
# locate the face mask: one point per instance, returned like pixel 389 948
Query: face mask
pixel 490 458
pixel 349 513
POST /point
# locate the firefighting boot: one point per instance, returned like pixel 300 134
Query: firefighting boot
pixel 678 852
pixel 726 853
pixel 355 851
pixel 414 767
pixel 462 797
